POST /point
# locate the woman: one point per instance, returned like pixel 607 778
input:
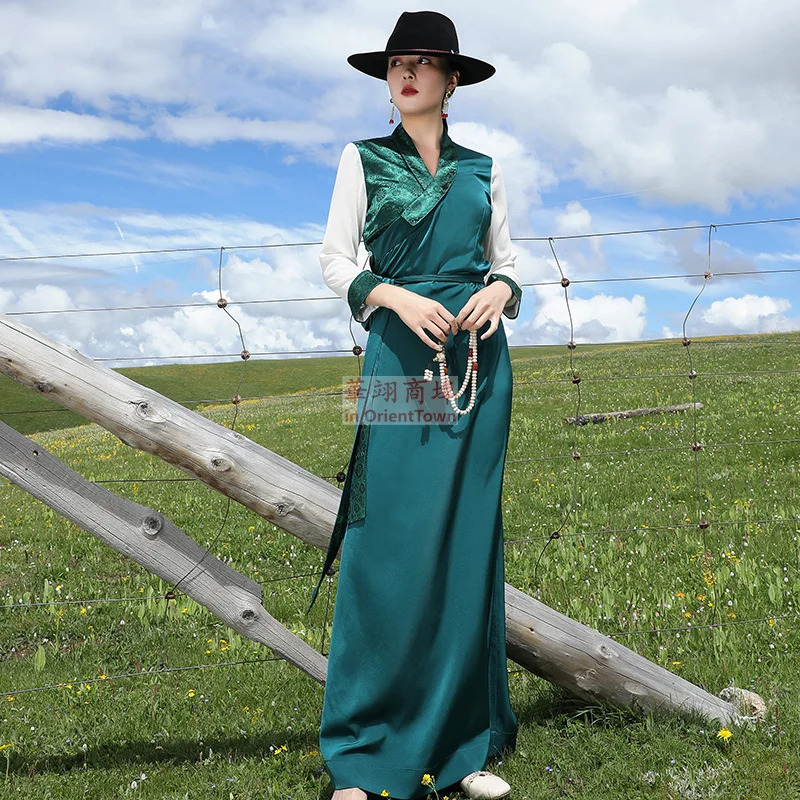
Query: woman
pixel 417 687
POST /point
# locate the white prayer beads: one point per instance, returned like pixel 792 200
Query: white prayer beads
pixel 471 375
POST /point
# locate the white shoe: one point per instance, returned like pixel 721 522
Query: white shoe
pixel 484 786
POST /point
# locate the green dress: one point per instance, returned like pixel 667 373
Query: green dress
pixel 417 680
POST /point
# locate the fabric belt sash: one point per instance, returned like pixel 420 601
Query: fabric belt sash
pixel 454 277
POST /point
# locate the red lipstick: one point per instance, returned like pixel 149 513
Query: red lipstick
pixel 409 90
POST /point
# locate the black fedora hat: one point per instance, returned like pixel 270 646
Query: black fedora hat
pixel 425 33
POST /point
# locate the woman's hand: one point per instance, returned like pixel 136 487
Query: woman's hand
pixel 422 315
pixel 486 304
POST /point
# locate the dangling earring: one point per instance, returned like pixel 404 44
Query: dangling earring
pixel 446 105
pixel 391 119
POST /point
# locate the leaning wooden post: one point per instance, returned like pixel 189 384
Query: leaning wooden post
pixel 595 667
pixel 305 505
pixel 154 542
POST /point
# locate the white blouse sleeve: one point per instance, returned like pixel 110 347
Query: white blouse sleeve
pixel 498 247
pixel 340 245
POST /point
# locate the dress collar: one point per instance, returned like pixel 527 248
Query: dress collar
pixel 433 188
pixel 407 148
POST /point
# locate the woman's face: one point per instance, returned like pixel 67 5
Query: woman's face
pixel 426 75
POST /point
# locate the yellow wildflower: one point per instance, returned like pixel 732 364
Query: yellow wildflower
pixel 427 780
pixel 679 594
pixel 771 622
pixel 4 746
pixel 190 693
pixel 384 793
pixel 724 734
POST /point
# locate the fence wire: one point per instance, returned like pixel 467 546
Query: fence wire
pixel 575 379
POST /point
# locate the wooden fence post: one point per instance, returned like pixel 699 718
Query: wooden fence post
pixel 153 541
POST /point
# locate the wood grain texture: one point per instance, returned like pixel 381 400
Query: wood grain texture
pixel 153 541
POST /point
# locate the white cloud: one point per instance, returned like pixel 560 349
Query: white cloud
pixel 101 52
pixel 43 298
pixel 272 274
pixel 524 175
pixel 750 313
pixel 599 318
pixel 23 125
pixel 622 96
pixel 203 129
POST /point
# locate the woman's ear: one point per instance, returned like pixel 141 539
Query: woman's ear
pixel 452 82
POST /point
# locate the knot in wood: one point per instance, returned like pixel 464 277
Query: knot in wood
pixel 146 411
pixel 43 386
pixel 586 679
pixel 248 615
pixel 282 509
pixel 604 651
pixel 219 463
pixel 152 524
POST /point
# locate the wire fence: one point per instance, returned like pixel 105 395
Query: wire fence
pixel 690 375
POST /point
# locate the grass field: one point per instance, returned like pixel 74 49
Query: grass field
pixel 630 558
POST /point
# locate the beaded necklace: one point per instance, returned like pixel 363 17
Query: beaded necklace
pixel 471 375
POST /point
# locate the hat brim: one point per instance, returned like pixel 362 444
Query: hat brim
pixel 471 70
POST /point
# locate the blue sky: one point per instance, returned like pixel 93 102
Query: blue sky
pixel 198 124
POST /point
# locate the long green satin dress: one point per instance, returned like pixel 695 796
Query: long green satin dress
pixel 417 680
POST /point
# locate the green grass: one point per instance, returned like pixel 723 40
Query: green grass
pixel 250 730
pixel 194 385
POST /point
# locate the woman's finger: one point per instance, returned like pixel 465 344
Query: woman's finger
pixel 423 334
pixel 495 321
pixel 466 311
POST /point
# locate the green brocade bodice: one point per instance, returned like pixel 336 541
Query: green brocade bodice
pixel 419 224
